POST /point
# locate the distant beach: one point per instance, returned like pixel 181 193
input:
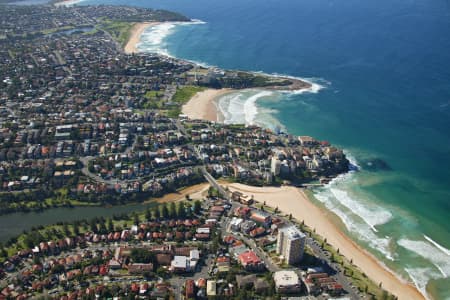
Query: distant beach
pixel 135 35
pixel 293 200
pixel 67 2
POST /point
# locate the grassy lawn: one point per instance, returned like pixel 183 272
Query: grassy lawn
pixel 181 96
pixel 154 100
pixel 119 30
pixel 57 29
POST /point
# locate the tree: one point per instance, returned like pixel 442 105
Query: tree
pixel 148 215
pixel 172 210
pixel 76 228
pixel 110 225
pixel 66 229
pixel 102 226
pixel 162 272
pixel 156 214
pixel 3 251
pixel 57 269
pixel 181 211
pixel 93 225
pixel 140 255
pixel 164 211
pixel 197 206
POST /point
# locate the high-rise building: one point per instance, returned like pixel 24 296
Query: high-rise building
pixel 291 244
pixel 275 166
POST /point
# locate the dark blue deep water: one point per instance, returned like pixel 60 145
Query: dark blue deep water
pixel 385 71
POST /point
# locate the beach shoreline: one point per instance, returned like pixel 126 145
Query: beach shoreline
pixel 319 219
pixel 202 105
pixel 135 36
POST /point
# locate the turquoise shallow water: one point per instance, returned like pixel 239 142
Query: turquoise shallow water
pixel 384 69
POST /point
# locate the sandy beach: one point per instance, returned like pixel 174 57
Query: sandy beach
pixel 135 36
pixel 295 201
pixel 202 105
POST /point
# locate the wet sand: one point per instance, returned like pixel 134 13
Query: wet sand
pixel 294 200
pixel 135 36
pixel 202 105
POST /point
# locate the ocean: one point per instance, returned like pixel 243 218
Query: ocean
pixel 381 74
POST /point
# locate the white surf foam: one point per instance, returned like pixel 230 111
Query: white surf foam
pixel 420 278
pixel 195 21
pixel 153 38
pixel 355 225
pixel 442 248
pixel 430 252
pixel 371 214
pixel 241 107
pixel 314 82
pixel 354 165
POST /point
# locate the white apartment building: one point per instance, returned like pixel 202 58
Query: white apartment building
pixel 291 244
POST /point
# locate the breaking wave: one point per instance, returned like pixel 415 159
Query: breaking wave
pixel 153 39
pixel 359 217
pixel 240 107
pixel 427 250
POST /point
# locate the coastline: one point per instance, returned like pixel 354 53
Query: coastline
pixel 319 219
pixel 135 36
pixel 202 105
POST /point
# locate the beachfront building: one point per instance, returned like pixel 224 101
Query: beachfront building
pixel 275 166
pixel 286 282
pixel 291 244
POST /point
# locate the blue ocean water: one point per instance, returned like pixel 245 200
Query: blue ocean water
pixel 384 69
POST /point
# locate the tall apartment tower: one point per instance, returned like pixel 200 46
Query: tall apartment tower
pixel 291 244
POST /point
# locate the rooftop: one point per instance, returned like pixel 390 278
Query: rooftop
pixel 293 232
pixel 285 278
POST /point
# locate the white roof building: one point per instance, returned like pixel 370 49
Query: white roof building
pixel 286 281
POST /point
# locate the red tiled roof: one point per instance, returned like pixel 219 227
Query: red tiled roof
pixel 249 257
